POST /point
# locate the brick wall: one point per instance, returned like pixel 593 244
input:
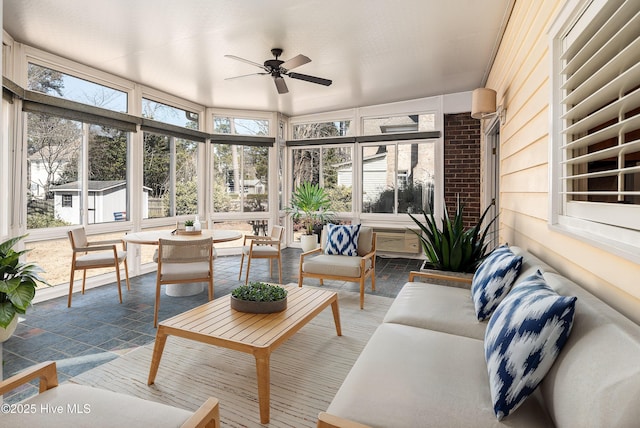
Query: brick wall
pixel 462 164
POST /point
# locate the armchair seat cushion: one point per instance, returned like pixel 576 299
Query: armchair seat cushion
pixel 83 406
pixel 101 258
pixel 261 250
pixel 334 265
pixel 184 271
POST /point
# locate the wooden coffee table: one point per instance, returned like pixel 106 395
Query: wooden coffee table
pixel 217 324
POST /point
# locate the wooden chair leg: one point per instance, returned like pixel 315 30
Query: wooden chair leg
pixel 362 293
pixel 211 289
pixel 84 279
pixel 70 287
pixel 118 279
pixel 241 264
pixel 157 303
pixel 246 279
pixel 280 270
pixel 126 273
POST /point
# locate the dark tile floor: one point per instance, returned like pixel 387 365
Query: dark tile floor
pixel 97 329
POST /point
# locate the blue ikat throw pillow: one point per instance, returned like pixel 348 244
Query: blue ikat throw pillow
pixel 523 338
pixel 493 280
pixel 342 240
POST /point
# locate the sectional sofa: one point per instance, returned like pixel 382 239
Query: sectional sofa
pixel 425 365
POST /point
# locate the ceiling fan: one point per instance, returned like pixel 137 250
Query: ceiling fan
pixel 278 68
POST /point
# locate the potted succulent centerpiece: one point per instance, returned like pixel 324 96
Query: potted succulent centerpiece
pixel 188 225
pixel 310 203
pixel 259 298
pixel 18 282
pixel 452 247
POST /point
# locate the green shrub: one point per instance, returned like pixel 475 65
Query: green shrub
pixel 259 292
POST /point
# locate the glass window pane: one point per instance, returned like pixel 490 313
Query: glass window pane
pixel 157 175
pixel 54 156
pixel 416 172
pixel 402 123
pixel 58 84
pixel 255 184
pixel 322 130
pixel 337 177
pixel 169 114
pixel 240 126
pixel 186 177
pixel 378 178
pixel 306 166
pixel 107 188
pixel 226 197
pixel 251 126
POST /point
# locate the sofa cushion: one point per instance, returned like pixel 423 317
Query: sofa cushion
pixel 523 338
pixel 595 381
pixel 493 279
pixel 334 265
pixel 342 239
pixel 413 377
pixel 436 307
pixel 86 406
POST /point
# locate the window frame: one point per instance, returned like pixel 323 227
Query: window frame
pixel 604 225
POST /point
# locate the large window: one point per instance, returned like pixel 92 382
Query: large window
pixel 398 177
pixel 330 166
pixel 597 54
pixel 170 174
pixel 399 124
pixel 58 84
pixel 56 168
pixel 241 178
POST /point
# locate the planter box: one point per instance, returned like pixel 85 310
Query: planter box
pixel 254 307
pixel 449 283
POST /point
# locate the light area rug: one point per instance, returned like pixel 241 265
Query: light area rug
pixel 306 371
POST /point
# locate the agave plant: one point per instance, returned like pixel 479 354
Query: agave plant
pixel 452 247
pixel 18 281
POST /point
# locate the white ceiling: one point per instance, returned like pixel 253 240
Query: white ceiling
pixel 375 51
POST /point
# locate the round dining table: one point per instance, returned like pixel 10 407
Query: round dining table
pixel 152 237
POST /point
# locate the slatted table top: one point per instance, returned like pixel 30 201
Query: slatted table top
pixel 216 323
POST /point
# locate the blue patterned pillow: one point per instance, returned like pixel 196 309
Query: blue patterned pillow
pixel 523 338
pixel 493 280
pixel 342 240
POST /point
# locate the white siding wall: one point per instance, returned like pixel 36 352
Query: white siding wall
pixel 520 75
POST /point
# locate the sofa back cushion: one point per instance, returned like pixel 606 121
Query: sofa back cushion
pixel 595 380
pixel 365 240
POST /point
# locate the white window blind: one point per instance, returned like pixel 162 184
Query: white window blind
pixel 600 121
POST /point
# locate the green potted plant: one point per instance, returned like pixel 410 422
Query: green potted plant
pixel 188 225
pixel 310 203
pixel 18 282
pixel 259 298
pixel 452 247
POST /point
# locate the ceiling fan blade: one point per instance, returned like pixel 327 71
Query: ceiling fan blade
pixel 237 58
pixel 281 85
pixel 294 62
pixel 312 79
pixel 246 75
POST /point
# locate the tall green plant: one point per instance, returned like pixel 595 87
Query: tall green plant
pixel 310 202
pixel 452 247
pixel 17 281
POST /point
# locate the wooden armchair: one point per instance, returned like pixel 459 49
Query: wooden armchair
pixel 79 405
pixel 263 247
pixel 96 255
pixel 342 268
